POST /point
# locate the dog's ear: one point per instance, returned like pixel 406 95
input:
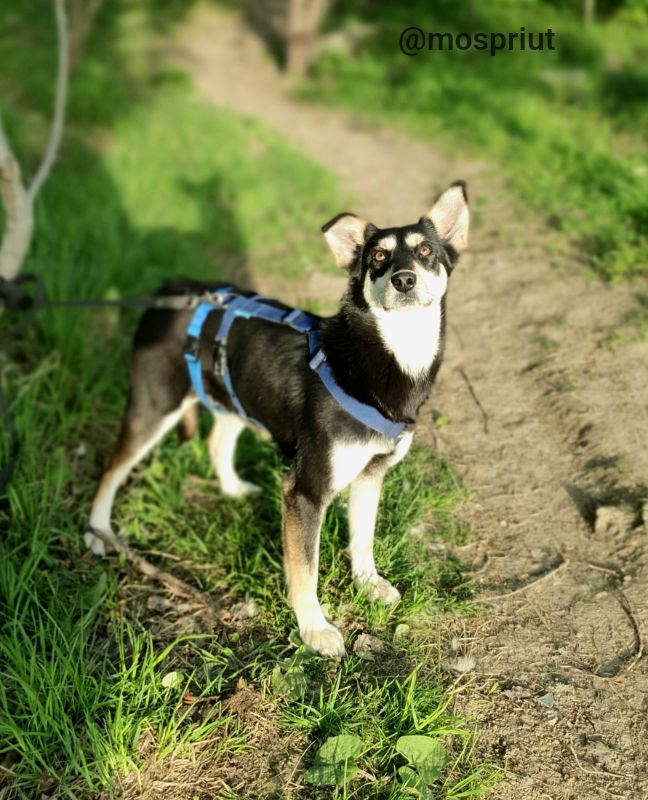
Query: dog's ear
pixel 450 216
pixel 345 235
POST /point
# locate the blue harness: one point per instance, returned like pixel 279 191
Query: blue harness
pixel 236 306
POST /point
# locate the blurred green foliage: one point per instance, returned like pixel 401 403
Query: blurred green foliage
pixel 568 126
pixel 150 183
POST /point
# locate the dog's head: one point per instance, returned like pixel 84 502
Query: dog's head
pixel 398 268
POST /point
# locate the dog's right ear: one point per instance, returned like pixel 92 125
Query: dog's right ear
pixel 450 216
pixel 345 235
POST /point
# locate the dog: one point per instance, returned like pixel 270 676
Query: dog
pixel 384 348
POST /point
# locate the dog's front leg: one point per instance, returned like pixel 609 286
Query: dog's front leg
pixel 364 496
pixel 302 521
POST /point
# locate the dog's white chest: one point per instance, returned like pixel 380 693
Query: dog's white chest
pixel 413 336
pixel 348 459
pixel 347 462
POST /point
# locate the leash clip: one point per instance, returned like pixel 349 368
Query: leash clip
pixel 218 297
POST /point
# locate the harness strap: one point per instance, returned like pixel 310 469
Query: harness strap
pixel 192 353
pixel 363 412
pixel 254 307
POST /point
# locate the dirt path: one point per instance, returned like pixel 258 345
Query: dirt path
pixel 560 690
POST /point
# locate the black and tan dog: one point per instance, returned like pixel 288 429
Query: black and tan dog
pixel 384 348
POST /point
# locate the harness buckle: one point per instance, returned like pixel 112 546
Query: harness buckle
pixel 291 316
pixel 317 360
pixel 192 348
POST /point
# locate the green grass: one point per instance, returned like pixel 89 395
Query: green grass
pixel 150 184
pixel 565 127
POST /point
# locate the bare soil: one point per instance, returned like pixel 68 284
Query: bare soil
pixel 547 425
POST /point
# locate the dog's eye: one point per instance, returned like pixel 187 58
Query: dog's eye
pixel 425 250
pixel 379 255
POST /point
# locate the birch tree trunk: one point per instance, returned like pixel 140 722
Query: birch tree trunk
pixel 17 201
pixel 19 213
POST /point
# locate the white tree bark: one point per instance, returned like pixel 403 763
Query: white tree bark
pixel 19 213
pixel 17 201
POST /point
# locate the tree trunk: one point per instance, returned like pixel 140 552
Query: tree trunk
pixel 589 9
pixel 17 201
pixel 19 215
pixel 303 20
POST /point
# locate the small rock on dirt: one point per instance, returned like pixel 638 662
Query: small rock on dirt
pixel 460 664
pixel 365 643
pixel 241 611
pixel 613 520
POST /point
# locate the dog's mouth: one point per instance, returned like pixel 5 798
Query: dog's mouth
pixel 401 301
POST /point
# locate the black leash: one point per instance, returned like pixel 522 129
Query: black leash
pixel 15 297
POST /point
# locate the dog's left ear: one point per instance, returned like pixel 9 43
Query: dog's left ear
pixel 345 235
pixel 450 216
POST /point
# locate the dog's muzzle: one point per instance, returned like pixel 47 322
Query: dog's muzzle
pixel 404 280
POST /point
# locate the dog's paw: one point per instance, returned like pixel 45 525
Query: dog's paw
pixel 240 489
pixel 94 543
pixel 378 588
pixel 326 641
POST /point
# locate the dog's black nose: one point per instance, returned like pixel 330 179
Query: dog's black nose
pixel 404 280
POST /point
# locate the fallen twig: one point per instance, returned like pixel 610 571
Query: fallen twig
pixel 151 571
pixel 634 624
pixel 598 773
pixel 625 605
pixel 611 572
pixel 462 372
pixel 191 699
pixel 554 571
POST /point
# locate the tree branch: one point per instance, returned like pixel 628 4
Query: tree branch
pixel 19 216
pixel 58 120
pixel 17 201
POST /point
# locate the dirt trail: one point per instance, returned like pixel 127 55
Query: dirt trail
pixel 560 688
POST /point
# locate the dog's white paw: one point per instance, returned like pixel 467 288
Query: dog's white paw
pixel 326 641
pixel 378 588
pixel 240 489
pixel 94 543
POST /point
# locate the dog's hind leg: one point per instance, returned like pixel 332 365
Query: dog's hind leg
pixel 188 424
pixel 140 433
pixel 364 496
pixel 222 446
pixel 302 520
